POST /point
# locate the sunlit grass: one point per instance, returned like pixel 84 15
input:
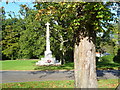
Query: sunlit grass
pixel 18 64
pixel 109 83
pixel 30 65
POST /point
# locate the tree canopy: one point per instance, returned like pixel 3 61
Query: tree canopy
pixel 73 27
pixel 25 37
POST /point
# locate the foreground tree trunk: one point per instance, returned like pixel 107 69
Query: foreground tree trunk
pixel 118 87
pixel 84 60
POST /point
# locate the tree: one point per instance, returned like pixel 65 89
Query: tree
pixel 10 38
pixel 23 37
pixel 116 7
pixel 92 18
pixel 2 18
pixel 85 20
pixel 31 37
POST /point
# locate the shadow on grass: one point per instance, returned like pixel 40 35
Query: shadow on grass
pixel 67 66
pixel 107 66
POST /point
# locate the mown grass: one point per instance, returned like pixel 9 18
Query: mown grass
pixel 30 65
pixel 18 64
pixel 110 83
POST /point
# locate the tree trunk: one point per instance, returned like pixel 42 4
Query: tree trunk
pixel 118 87
pixel 62 51
pixel 85 61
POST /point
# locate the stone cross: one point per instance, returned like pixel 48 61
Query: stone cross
pixel 47 52
pixel 47 37
pixel 48 59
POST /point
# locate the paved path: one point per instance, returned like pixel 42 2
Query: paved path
pixel 23 76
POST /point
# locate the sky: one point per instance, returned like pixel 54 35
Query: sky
pixel 14 7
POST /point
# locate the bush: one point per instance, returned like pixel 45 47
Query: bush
pixel 107 59
pixel 117 57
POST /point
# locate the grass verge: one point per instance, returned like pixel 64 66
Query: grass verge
pixel 18 64
pixel 109 83
pixel 30 65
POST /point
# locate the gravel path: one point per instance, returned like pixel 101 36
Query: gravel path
pixel 24 76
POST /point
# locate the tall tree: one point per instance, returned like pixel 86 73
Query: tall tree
pixel 2 26
pixel 10 38
pixel 32 38
pixel 23 37
pixel 85 20
pixel 92 17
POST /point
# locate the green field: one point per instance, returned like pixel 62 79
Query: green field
pixel 30 65
pixel 18 64
pixel 110 83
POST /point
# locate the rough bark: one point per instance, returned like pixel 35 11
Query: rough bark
pixel 76 64
pixel 62 50
pixel 118 87
pixel 85 61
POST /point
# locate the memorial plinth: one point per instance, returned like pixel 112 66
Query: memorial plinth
pixel 48 59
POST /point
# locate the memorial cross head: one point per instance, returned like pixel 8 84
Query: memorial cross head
pixel 47 24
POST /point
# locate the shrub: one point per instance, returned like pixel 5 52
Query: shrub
pixel 117 57
pixel 107 59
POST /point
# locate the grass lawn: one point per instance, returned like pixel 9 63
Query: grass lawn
pixel 108 66
pixel 110 83
pixel 18 64
pixel 30 65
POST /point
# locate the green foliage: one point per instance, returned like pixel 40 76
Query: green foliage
pixel 2 13
pixel 108 42
pixel 117 57
pixel 25 37
pixel 10 38
pixel 109 47
pixel 107 59
pixel 32 38
pixel 61 36
pixel 107 63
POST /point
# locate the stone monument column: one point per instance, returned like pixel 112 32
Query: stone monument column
pixel 48 59
pixel 48 52
pixel 47 37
